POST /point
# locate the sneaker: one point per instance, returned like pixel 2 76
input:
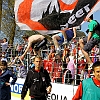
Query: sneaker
pixel 90 66
pixel 57 52
pixel 65 42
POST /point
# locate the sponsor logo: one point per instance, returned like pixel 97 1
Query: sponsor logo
pixel 56 97
pixel 17 88
pixel 76 16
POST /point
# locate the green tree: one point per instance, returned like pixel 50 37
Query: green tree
pixel 12 32
pixel 0 12
pixel 8 21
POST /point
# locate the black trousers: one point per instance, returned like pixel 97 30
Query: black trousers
pixel 39 45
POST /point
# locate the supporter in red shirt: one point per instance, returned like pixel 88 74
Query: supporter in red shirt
pixel 56 68
pixel 81 65
pixel 48 63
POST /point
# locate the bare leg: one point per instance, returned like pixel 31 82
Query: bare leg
pixel 55 38
pixel 87 56
pixel 39 53
pixel 34 52
pixel 81 43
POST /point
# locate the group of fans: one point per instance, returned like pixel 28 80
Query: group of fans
pixel 63 59
pixel 67 60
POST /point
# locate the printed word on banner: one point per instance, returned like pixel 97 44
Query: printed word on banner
pixel 52 14
pixel 17 88
pixel 62 92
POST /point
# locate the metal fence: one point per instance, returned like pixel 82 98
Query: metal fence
pixel 57 68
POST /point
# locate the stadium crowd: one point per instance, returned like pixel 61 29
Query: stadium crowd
pixel 65 67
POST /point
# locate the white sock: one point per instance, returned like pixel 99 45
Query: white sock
pixel 65 40
pixel 58 49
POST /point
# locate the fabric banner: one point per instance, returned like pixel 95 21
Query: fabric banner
pixel 53 14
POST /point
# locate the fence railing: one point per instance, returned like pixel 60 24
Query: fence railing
pixel 58 69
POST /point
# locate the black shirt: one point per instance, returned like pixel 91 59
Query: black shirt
pixel 37 82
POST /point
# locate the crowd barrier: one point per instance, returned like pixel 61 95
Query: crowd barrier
pixel 59 91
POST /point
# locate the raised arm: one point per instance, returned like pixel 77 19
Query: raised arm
pixel 27 49
pixel 74 31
